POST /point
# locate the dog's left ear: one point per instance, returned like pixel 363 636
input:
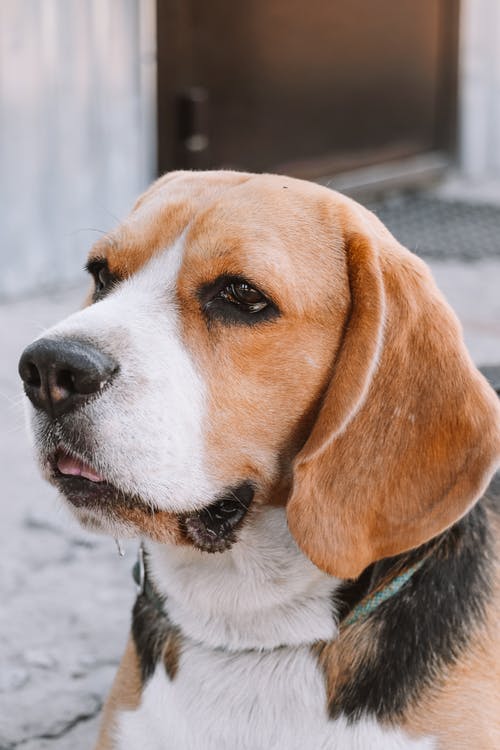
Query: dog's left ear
pixel 408 434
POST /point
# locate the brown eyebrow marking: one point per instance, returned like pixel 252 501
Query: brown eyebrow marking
pixel 101 251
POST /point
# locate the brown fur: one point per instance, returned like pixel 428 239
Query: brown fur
pixel 264 382
pixel 125 695
pixel 404 446
pixel 159 525
pixel 172 652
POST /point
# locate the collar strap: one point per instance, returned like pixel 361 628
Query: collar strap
pixel 359 613
pixel 143 581
pixel 370 602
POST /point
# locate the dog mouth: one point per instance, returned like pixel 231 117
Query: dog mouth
pixel 68 466
pixel 213 528
pixel 82 485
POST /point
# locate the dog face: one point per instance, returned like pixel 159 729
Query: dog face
pixel 257 339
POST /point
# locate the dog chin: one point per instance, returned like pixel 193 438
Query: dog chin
pixel 99 522
pixel 103 508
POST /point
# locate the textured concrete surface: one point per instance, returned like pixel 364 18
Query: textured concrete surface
pixel 66 595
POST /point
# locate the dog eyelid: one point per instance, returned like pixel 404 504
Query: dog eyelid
pixel 104 279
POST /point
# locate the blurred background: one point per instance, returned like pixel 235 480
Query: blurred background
pixel 97 97
pixel 395 102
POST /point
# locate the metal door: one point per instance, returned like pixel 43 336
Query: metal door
pixel 310 88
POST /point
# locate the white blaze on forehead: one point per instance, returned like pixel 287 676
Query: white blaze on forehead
pixel 146 429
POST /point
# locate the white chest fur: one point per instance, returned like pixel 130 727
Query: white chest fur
pixel 247 679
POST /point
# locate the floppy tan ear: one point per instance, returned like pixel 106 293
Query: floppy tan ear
pixel 408 434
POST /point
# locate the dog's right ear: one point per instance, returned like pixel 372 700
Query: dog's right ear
pixel 408 434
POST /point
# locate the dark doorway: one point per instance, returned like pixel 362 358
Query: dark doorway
pixel 308 88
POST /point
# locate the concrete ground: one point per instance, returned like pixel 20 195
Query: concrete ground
pixel 66 595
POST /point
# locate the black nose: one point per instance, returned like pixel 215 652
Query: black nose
pixel 61 374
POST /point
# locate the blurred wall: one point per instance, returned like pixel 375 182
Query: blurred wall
pixel 77 124
pixel 480 89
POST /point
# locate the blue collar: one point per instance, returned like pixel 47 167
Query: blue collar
pixel 367 605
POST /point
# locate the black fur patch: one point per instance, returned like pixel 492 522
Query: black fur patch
pixel 214 529
pixel 425 627
pixel 154 635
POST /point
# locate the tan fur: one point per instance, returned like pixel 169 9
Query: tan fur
pixel 172 652
pixel 159 525
pixel 462 711
pixel 125 695
pixel 464 715
pixel 403 446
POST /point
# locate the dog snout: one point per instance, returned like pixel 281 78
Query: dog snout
pixel 61 374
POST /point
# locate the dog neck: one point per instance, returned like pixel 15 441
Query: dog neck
pixel 261 594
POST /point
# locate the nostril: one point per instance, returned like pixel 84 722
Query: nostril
pixel 65 379
pixel 32 375
pixel 61 374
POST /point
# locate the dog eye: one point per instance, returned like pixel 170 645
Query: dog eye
pixel 104 279
pixel 242 294
pixel 233 300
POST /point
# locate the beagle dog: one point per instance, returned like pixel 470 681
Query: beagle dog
pixel 271 393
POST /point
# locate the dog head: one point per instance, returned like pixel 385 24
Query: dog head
pixel 255 339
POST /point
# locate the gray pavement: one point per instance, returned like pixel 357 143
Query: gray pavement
pixel 66 595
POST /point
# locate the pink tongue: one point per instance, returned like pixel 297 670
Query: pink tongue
pixel 73 466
